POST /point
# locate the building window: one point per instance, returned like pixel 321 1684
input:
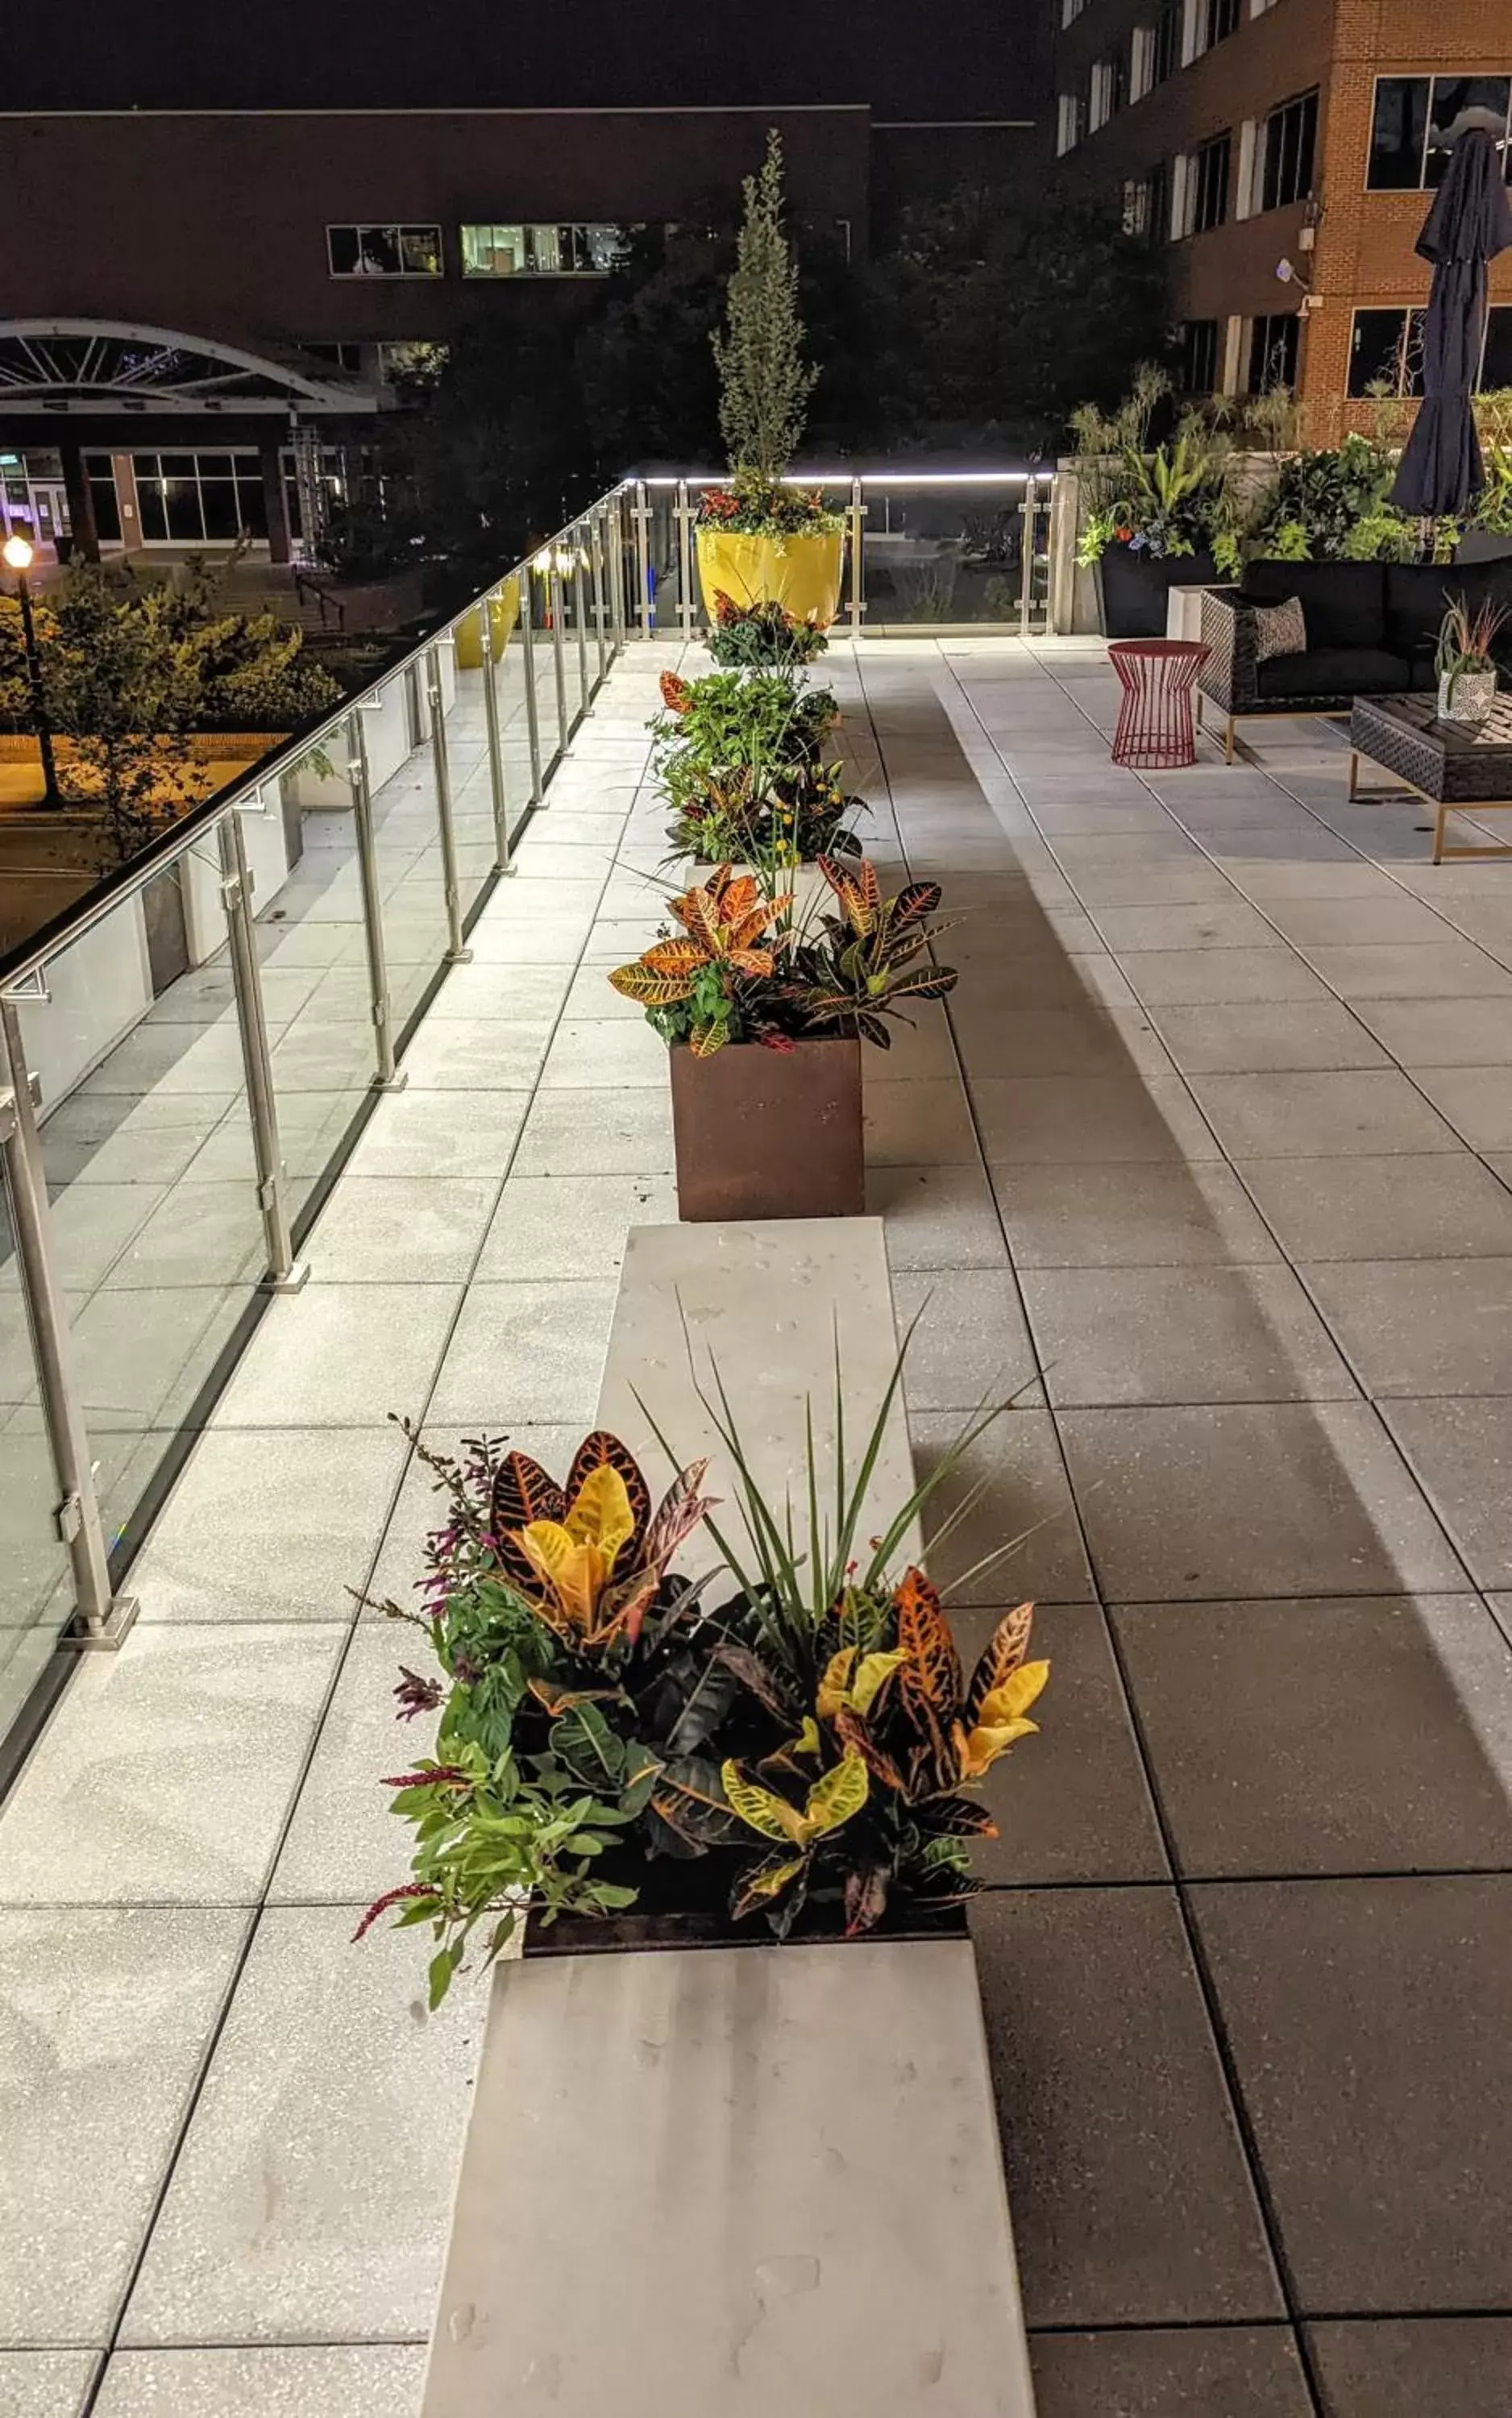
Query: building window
pixel 581 249
pixel 1070 123
pixel 101 472
pixel 1109 91
pixel 1411 119
pixel 1207 186
pixel 1220 18
pixel 342 357
pixel 1386 350
pixel 1289 144
pixel 1167 55
pixel 1071 10
pixel 1198 372
pixel 1273 352
pixel 1496 355
pixel 199 498
pixel 384 250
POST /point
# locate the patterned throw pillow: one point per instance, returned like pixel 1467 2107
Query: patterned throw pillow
pixel 1279 630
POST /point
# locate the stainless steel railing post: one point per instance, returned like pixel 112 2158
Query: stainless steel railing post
pixel 503 857
pixel 596 558
pixel 284 1273
pixel 388 1078
pixel 617 584
pixel 684 520
pixel 585 687
pixel 858 524
pixel 558 644
pixel 1026 542
pixel 532 703
pixel 101 1619
pixel 642 514
pixel 457 952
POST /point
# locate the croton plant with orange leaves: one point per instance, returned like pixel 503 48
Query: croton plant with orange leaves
pixel 796 1740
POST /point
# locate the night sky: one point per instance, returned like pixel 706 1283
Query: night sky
pixel 908 58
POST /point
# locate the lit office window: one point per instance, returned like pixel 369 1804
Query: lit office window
pixel 586 248
pixel 384 250
pixel 1412 116
pixel 1273 352
pixel 1109 90
pixel 1071 122
pixel 1289 144
pixel 199 498
pixel 100 471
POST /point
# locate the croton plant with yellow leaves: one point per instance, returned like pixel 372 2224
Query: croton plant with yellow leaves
pixel 793 1738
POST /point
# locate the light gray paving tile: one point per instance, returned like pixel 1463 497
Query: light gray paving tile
pixel 270 1524
pixel 341 1355
pixel 105 2016
pixel 1249 1500
pixel 167 1772
pixel 606 1051
pixel 315 1056
pixel 1159 882
pixel 502 994
pixel 1223 977
pixel 312 2197
pixel 1422 1325
pixel 1447 970
pixel 441 1134
pixel 201 1233
pixel 1227 925
pixel 136 1353
pixel 1477 1101
pixel 1355 921
pixel 91 1224
pixel 1122 1215
pixel 528 1351
pixel 1181 1335
pixel 936 1216
pixel 344 1843
pixel 570 1224
pixel 1035 1120
pixel 910 1123
pixel 331 2381
pixel 1291 1035
pixel 1441 1031
pixel 45 2384
pixel 1461 1454
pixel 598 1133
pixel 1010 1485
pixel 394 1229
pixel 968 1342
pixel 495 1054
pixel 1440 1204
pixel 1361 1112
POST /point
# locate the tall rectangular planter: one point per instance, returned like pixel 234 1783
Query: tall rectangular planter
pixel 769 1133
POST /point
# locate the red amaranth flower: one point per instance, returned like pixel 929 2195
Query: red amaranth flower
pixel 451 1774
pixel 390 1897
pixel 726 611
pixel 676 694
pixel 416 1694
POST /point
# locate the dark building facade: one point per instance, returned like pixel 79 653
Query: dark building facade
pixel 225 241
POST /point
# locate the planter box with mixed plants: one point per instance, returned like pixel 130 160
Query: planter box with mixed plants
pixel 761 540
pixel 744 983
pixel 741 757
pixel 789 1742
pixel 762 637
pixel 1154 515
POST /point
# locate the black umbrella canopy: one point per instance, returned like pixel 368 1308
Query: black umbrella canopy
pixel 1469 223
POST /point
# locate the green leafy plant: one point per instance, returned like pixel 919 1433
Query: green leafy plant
pixel 1164 501
pixel 1326 496
pixel 741 760
pixel 737 972
pixel 762 636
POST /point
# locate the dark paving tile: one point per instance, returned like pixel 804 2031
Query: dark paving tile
pixel 1412 2368
pixel 1370 2023
pixel 1181 1335
pixel 1443 1031
pixel 1361 1111
pixel 967 1339
pixel 1402 1207
pixel 1072 1804
pixel 1117 1215
pixel 1251 1499
pixel 1461 1455
pixel 1421 1326
pixel 1172 2372
pixel 1337 1736
pixel 1011 1483
pixel 1131 2200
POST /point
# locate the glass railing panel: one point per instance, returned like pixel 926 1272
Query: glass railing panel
pixel 407 830
pixel 944 553
pixel 511 677
pixel 465 722
pixel 155 1226
pixel 35 1593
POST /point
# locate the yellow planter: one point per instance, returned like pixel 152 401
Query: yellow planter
pixel 504 612
pixel 801 574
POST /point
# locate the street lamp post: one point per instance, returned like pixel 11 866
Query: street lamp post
pixel 19 555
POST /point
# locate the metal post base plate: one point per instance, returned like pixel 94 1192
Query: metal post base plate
pixel 79 1638
pixel 397 1081
pixel 459 957
pixel 295 1281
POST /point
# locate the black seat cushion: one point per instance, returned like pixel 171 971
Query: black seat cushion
pixel 1344 603
pixel 1333 671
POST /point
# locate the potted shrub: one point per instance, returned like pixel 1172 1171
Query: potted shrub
pixel 762 637
pixel 1151 513
pixel 621 1756
pixel 760 541
pixel 741 757
pixel 764 1017
pixel 1465 661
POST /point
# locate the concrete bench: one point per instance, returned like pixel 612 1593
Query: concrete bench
pixel 738 2180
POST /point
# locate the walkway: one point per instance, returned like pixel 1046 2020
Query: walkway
pixel 1211 1158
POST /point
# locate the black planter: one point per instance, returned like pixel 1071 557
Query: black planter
pixel 1132 590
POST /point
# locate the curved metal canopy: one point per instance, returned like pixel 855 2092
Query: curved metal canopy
pixel 68 365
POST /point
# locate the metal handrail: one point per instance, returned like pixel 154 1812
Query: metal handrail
pixel 72 922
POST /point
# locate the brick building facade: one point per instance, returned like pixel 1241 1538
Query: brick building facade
pixel 1243 133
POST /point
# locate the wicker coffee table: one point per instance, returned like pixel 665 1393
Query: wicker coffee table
pixel 1458 766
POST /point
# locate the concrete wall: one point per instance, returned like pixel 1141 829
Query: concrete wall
pixel 99 988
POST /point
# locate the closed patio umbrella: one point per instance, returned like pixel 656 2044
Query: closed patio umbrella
pixel 1469 223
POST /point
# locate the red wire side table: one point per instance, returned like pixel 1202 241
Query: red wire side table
pixel 1154 730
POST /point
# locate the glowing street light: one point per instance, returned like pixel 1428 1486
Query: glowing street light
pixel 19 554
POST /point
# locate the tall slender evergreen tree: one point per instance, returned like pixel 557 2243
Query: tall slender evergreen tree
pixel 765 383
